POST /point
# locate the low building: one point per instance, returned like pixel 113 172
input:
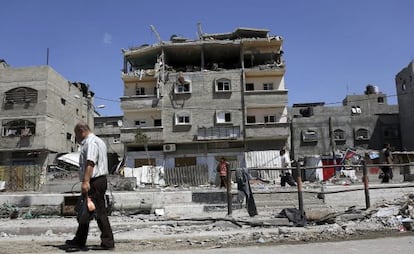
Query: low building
pixel 364 121
pixel 39 109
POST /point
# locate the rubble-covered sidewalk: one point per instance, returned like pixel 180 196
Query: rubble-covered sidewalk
pixel 215 230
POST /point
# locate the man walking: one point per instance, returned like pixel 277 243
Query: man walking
pixel 93 168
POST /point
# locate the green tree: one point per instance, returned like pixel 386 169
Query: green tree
pixel 142 139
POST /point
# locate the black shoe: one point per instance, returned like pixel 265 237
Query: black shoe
pixel 74 244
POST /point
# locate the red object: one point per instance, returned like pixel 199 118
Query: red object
pixel 349 154
pixel 374 170
pixel 329 171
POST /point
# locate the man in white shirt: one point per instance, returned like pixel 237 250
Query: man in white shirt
pixel 93 168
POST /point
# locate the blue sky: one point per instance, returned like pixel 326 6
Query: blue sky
pixel 332 48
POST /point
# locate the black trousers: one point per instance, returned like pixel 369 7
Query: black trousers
pixel 223 181
pixel 387 174
pixel 97 194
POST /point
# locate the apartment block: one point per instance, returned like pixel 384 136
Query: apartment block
pixel 405 93
pixel 195 101
pixel 364 121
pixel 39 109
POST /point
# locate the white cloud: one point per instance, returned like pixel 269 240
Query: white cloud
pixel 107 39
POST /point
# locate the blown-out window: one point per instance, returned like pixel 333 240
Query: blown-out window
pixel 339 135
pixel 18 128
pixel 21 95
pixel 361 134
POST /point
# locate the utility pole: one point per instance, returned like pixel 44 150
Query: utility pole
pixel 332 141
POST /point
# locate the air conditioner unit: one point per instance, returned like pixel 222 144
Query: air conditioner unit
pixel 168 147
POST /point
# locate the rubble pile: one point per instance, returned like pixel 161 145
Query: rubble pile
pixel 397 214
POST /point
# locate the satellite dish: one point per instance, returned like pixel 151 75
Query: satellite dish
pixel 120 123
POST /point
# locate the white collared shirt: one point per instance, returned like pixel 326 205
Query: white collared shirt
pixel 93 149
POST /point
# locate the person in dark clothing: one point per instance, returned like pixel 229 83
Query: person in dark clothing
pixel 386 158
pixel 93 168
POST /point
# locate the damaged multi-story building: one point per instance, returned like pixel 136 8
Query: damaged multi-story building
pixel 39 109
pixel 195 101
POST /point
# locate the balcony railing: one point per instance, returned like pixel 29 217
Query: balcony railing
pixel 267 130
pixel 139 102
pixel 217 133
pixel 155 134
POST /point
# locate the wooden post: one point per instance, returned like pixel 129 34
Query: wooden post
pixel 229 196
pixel 366 186
pixel 299 184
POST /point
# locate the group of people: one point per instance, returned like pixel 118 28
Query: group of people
pixel 285 173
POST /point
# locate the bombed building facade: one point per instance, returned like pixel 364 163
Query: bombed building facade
pixel 195 101
pixel 39 110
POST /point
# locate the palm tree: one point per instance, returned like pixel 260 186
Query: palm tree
pixel 142 139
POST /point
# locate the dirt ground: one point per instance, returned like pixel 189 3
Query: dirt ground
pixel 219 234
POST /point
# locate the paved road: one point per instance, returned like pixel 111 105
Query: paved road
pixel 400 245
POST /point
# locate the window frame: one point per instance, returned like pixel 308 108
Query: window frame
pixel 341 133
pixel 225 114
pixel 268 117
pixel 183 116
pixel 223 81
pixel 178 86
pixel 251 116
pixel 361 137
pixel 249 85
pixel 308 137
pixel 268 85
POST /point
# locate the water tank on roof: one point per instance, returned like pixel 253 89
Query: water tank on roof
pixel 306 112
pixel 370 89
pixel 376 89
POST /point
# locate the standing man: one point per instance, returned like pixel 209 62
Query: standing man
pixel 93 168
pixel 222 170
pixel 285 176
pixel 386 158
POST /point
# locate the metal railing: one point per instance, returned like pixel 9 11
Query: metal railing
pixel 298 172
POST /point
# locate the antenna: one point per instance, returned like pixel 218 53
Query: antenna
pixel 47 56
pixel 156 33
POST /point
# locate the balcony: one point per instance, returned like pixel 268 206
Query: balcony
pixel 218 133
pixel 155 134
pixel 137 75
pixel 265 70
pixel 267 131
pixel 267 97
pixel 106 130
pixel 29 142
pixel 139 102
